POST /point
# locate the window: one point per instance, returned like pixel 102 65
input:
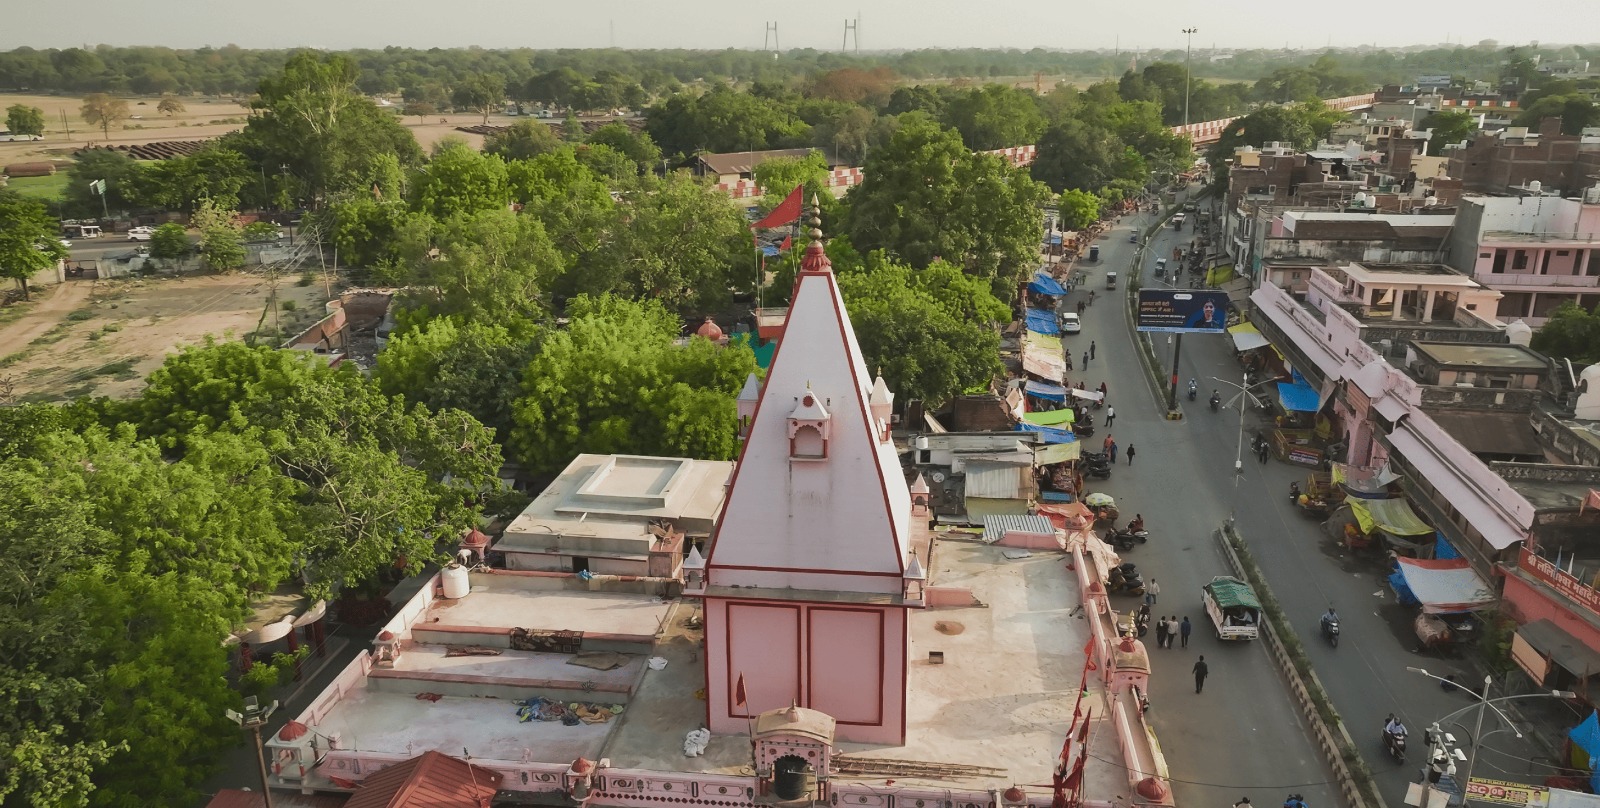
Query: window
pixel 1499 261
pixel 1544 265
pixel 807 443
pixel 1519 260
pixel 1593 267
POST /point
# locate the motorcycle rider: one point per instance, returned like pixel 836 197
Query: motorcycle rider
pixel 1194 387
pixel 1216 398
pixel 1137 524
pixel 1329 617
pixel 1394 730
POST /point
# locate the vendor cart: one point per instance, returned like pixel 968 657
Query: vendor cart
pixel 1233 608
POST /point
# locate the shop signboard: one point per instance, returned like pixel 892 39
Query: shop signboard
pixel 1555 578
pixel 1504 793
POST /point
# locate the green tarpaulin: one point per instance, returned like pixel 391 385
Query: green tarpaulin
pixel 1231 592
pixel 1049 417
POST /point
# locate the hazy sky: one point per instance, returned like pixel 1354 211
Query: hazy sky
pixel 817 24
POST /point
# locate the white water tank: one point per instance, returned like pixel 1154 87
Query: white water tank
pixel 1588 404
pixel 456 584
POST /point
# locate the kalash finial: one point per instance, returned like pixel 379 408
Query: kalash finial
pixel 816 256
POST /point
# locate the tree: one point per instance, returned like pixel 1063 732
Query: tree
pixel 459 179
pixel 1576 111
pixel 781 175
pixel 1079 209
pixel 493 265
pixel 30 239
pixel 480 92
pixel 638 147
pixel 995 117
pixel 614 380
pixel 931 333
pixel 380 234
pixel 312 118
pixel 120 174
pixel 680 241
pixel 524 139
pixel 927 196
pixel 1449 126
pixel 22 119
pixel 103 111
pixel 169 241
pixel 474 367
pixel 220 243
pixel 216 172
pixel 1570 333
pixel 422 110
pixel 170 106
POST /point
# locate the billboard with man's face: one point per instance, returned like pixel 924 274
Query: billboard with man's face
pixel 1183 311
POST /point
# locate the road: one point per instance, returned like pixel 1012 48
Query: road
pixel 1242 736
pixel 1189 465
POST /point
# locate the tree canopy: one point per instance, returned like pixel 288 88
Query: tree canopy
pixel 30 239
pixel 1570 333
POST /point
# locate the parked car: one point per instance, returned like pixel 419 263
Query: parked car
pixel 140 233
pixel 1070 324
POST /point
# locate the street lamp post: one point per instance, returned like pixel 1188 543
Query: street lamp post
pixel 1187 50
pixel 1243 398
pixel 254 718
pixel 1483 702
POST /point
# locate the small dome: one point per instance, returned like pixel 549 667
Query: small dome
pixel 1591 374
pixel 1519 332
pixel 1014 794
pixel 710 330
pixel 583 765
pixel 386 635
pixel 293 730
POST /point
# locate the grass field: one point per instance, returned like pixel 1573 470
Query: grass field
pixel 46 188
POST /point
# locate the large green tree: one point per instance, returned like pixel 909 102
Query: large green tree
pixel 679 241
pixel 927 196
pixel 475 367
pixel 995 117
pixel 1449 126
pixel 526 138
pixel 1570 333
pixel 480 92
pixel 30 239
pixel 120 173
pixel 313 119
pixel 459 180
pixel 492 265
pixel 22 119
pixel 615 381
pixel 216 172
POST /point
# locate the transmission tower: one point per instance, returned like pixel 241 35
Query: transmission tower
pixel 769 42
pixel 852 28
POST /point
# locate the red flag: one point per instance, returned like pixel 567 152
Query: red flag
pixel 787 211
pixel 739 699
pixel 788 241
pixel 1088 654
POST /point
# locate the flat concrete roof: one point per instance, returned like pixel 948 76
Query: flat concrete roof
pixel 506 606
pixel 1513 357
pixel 1545 494
pixel 613 498
pixel 1407 275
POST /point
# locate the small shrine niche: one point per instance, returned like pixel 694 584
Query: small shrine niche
pixel 793 745
pixel 810 429
pixel 749 398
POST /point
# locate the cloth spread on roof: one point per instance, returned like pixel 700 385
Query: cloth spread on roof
pixel 1297 397
pixel 1045 390
pixel 1392 516
pixel 571 714
pixel 1363 482
pixel 1057 453
pixel 1045 285
pixel 558 642
pixel 1048 434
pixel 1049 417
pixel 1042 321
pixel 1042 357
pixel 1069 516
pixel 1246 337
pixel 1445 586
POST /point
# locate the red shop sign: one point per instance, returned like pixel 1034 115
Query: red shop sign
pixel 1560 581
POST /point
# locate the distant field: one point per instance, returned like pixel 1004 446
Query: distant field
pixel 47 188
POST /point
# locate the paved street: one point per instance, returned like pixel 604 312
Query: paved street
pixel 1184 485
pixel 1242 736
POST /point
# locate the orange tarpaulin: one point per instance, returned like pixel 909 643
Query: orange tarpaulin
pixel 1071 516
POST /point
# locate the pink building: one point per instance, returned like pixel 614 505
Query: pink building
pixel 814 561
pixel 1538 251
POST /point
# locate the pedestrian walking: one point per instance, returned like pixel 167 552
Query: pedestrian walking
pixel 1183 631
pixel 1112 452
pixel 1106 447
pixel 1111 415
pixel 1161 633
pixel 1151 591
pixel 1261 452
pixel 1200 673
pixel 1091 295
pixel 1085 360
pixel 1102 391
pixel 1130 455
pixel 1091 349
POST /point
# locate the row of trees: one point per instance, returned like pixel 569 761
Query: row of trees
pixel 237 71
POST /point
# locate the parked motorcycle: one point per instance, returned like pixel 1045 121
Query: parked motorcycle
pixel 1097 472
pixel 1083 430
pixel 1131 536
pixel 1095 458
pixel 1125 580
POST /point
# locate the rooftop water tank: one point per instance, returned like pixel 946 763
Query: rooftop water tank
pixel 456 583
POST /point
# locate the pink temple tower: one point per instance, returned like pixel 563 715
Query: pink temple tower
pixel 812 566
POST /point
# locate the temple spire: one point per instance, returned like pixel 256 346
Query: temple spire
pixel 816 255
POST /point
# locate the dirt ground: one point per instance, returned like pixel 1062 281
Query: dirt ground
pixel 199 121
pixel 103 337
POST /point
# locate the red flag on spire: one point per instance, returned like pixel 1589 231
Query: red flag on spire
pixel 788 241
pixel 787 211
pixel 739 699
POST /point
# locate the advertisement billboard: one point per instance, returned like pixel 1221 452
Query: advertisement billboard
pixel 1183 311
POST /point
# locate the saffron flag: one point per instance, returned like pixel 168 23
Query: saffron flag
pixel 788 241
pixel 739 699
pixel 1088 655
pixel 787 211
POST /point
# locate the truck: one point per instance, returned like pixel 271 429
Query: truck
pixel 1233 608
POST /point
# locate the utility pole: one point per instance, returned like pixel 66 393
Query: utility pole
pixel 254 718
pixel 1187 51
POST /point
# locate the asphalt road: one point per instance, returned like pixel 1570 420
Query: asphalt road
pixel 1185 485
pixel 1242 736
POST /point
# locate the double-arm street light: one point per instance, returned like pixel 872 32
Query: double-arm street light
pixel 1484 702
pixel 254 718
pixel 1188 49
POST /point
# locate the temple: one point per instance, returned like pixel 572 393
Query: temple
pixel 806 584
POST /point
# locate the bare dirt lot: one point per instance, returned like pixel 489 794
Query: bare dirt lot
pixel 87 337
pixel 202 119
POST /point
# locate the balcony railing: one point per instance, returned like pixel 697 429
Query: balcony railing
pixel 1490 237
pixel 1494 280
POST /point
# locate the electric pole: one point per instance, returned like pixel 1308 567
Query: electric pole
pixel 1188 49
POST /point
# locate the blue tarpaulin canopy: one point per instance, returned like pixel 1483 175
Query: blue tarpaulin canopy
pixel 769 250
pixel 1048 434
pixel 1586 736
pixel 1046 391
pixel 1297 397
pixel 1042 322
pixel 1055 238
pixel 1045 285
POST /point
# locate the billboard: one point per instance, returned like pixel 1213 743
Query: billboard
pixel 1183 311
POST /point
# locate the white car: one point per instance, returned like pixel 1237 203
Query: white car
pixel 1070 324
pixel 140 233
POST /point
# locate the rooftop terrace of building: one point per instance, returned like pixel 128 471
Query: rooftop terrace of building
pixel 1002 697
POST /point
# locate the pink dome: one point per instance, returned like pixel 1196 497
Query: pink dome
pixel 710 330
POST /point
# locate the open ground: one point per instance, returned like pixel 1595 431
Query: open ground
pixel 103 337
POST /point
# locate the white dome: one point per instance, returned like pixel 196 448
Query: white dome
pixel 1591 374
pixel 1519 332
